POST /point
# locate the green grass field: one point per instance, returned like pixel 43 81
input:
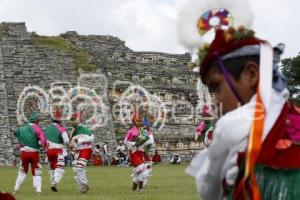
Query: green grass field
pixel 167 182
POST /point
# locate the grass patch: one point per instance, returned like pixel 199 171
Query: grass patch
pixel 168 182
pixel 82 59
pixel 54 42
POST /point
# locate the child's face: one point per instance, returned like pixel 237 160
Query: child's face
pixel 245 86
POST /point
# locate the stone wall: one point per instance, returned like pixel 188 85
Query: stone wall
pixel 25 62
pixel 6 148
pixel 29 59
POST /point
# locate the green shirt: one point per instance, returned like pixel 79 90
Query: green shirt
pixel 53 134
pixel 81 130
pixel 27 136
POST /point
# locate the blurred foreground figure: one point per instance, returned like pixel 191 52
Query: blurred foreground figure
pixel 255 149
pixel 6 196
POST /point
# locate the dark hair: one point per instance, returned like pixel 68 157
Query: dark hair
pixel 235 66
pixel 35 120
pixel 56 121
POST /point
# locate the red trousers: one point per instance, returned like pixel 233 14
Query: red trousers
pixel 83 157
pixel 85 154
pixel 31 158
pixel 52 155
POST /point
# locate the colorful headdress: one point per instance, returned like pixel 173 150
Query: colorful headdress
pixel 205 16
pixel 227 41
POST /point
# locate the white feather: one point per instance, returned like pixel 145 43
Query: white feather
pixel 187 24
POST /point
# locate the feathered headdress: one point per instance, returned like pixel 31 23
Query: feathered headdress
pixel 205 16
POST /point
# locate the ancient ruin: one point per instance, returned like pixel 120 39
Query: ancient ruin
pixel 106 65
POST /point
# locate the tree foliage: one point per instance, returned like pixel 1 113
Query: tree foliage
pixel 291 69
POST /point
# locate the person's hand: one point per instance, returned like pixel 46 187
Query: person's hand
pixel 71 146
pixel 138 143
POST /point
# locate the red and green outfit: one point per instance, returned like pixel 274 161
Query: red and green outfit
pixel 57 138
pixel 30 137
pixel 278 161
pixel 83 138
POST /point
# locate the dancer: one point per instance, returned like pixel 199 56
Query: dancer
pixel 57 138
pixel 82 140
pixel 30 137
pixel 134 140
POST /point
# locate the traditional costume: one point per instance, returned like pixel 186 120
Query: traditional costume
pixel 204 132
pixel 82 140
pixel 149 144
pixel 30 137
pixel 140 173
pixel 135 140
pixel 57 138
pixel 255 148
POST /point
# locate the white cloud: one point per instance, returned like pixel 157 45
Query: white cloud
pixel 147 26
pixel 144 24
pixel 278 21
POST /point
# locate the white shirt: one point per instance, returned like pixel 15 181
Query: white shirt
pixel 219 161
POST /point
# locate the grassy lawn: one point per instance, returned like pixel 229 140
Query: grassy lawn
pixel 168 182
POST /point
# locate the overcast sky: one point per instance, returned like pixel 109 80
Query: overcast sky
pixel 145 25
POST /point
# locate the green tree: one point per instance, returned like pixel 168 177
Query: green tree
pixel 291 69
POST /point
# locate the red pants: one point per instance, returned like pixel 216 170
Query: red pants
pixel 85 154
pixel 31 158
pixel 83 157
pixel 52 155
